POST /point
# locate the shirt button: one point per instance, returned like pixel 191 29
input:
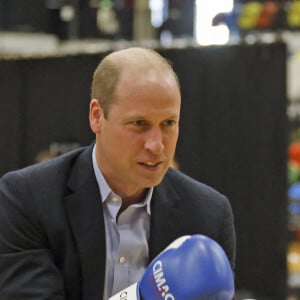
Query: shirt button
pixel 115 199
pixel 122 260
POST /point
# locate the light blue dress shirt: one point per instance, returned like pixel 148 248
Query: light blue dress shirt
pixel 127 238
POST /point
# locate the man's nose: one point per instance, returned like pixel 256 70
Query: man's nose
pixel 154 141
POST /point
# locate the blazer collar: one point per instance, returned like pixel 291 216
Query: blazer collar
pixel 84 210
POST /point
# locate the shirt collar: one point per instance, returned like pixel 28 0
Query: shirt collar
pixel 106 191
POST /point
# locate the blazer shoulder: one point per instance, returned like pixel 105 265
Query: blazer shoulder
pixel 185 184
pixel 54 170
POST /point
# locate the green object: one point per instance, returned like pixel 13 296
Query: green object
pixel 293 173
pixel 106 4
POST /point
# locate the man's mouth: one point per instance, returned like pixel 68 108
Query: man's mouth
pixel 151 164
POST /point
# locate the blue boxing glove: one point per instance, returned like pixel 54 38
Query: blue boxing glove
pixel 191 268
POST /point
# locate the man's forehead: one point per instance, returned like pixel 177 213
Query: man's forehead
pixel 142 75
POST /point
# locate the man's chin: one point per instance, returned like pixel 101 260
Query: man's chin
pixel 152 182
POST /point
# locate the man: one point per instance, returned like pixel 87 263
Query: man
pixel 86 224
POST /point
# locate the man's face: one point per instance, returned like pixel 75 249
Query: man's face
pixel 137 139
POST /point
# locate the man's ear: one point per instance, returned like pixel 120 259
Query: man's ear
pixel 95 116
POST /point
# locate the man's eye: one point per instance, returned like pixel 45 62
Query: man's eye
pixel 169 122
pixel 138 122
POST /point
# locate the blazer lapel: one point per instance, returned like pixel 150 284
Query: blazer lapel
pixel 164 215
pixel 84 209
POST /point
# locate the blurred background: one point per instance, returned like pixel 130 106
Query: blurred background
pixel 239 67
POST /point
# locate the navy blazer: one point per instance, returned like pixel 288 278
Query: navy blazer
pixel 52 235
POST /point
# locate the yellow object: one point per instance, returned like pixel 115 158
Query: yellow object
pixel 293 257
pixel 249 15
pixel 293 14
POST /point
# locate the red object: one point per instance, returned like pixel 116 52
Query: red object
pixel 294 152
pixel 267 16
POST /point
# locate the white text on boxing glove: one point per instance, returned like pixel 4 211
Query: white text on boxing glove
pixel 160 281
